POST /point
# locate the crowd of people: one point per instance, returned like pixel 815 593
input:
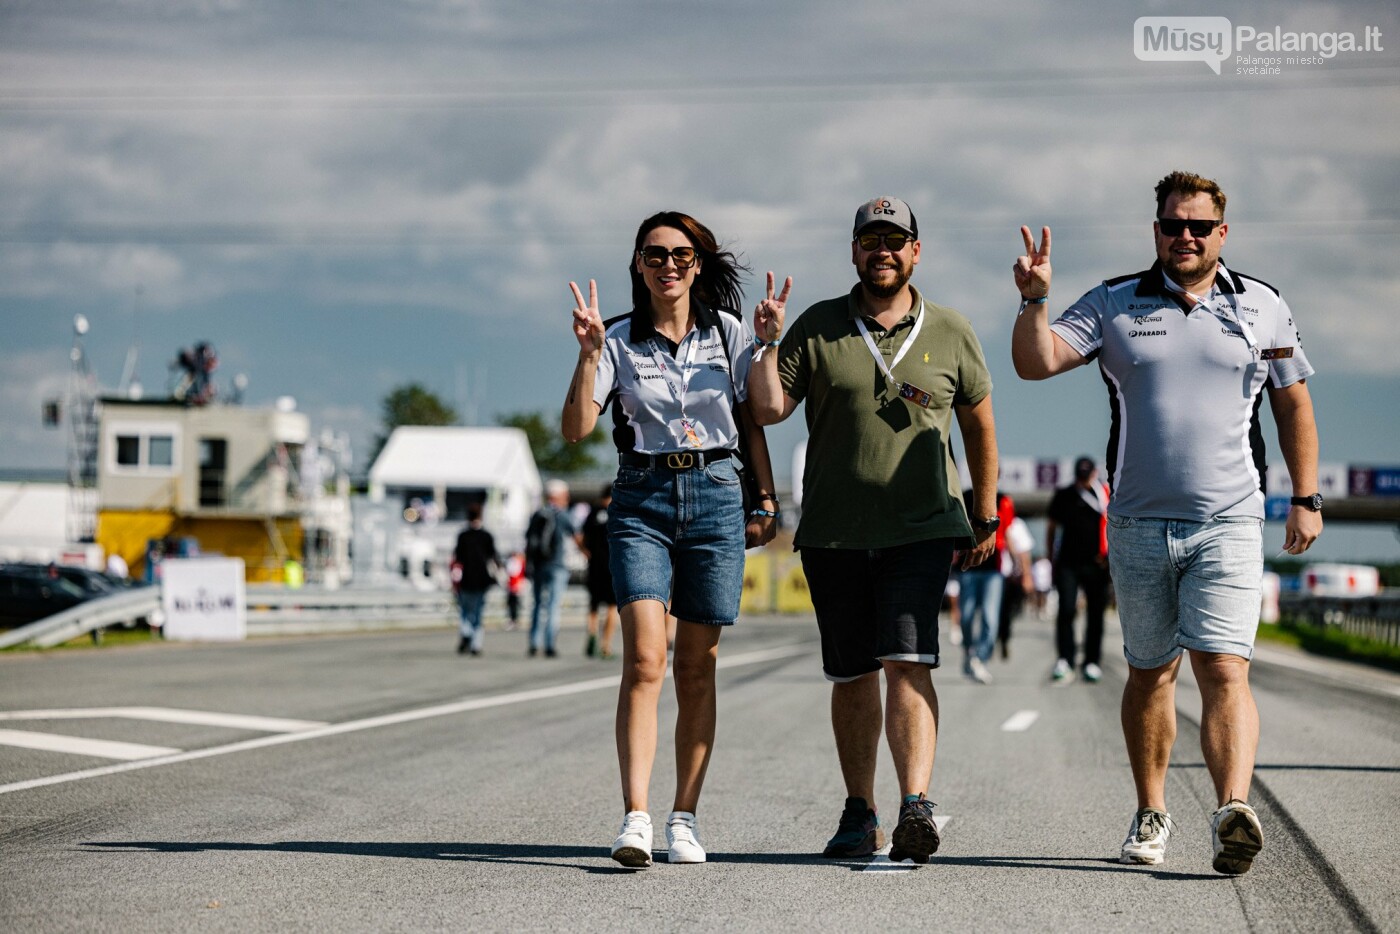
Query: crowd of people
pixel 1188 349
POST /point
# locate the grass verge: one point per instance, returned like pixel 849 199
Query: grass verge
pixel 1332 642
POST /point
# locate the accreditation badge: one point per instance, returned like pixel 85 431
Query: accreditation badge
pixel 911 393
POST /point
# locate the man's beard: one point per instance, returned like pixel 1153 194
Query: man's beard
pixel 901 279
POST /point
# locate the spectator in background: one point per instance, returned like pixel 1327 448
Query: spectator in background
pixel 980 595
pixel 1018 585
pixel 600 586
pixel 474 568
pixel 544 556
pixel 515 586
pixel 1079 514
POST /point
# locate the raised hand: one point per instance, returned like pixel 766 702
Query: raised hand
pixel 1032 271
pixel 588 324
pixel 768 316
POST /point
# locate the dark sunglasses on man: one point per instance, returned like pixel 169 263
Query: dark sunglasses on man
pixel 655 256
pixel 1173 226
pixel 894 242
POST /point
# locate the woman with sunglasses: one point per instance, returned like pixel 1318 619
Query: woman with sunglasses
pixel 674 373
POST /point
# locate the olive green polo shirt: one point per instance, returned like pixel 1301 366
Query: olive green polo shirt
pixel 880 470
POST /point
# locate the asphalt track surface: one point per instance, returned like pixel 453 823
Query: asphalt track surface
pixel 403 787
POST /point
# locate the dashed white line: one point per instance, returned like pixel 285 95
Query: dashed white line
pixel 79 746
pixel 406 716
pixel 1020 721
pixel 882 864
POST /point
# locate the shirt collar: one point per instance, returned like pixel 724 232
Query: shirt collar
pixel 1154 281
pixel 644 329
pixel 853 305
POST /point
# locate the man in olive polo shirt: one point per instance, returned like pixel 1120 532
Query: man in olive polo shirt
pixel 882 371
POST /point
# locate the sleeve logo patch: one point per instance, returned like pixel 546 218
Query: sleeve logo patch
pixel 1277 353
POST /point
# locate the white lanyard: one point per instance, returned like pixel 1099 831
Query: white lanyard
pixel 908 342
pixel 688 437
pixel 1210 306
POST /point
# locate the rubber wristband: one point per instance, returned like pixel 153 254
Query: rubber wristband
pixel 1026 302
pixel 771 513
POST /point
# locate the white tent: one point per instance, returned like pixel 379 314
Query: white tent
pixel 441 464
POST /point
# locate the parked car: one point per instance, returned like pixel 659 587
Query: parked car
pixel 30 592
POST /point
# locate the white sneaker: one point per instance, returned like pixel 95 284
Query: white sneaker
pixel 681 838
pixel 1236 837
pixel 1092 673
pixel 1063 672
pixel 978 669
pixel 632 848
pixel 1147 837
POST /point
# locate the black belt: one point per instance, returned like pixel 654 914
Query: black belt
pixel 675 460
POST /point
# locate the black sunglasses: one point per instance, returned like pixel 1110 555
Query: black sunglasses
pixel 894 242
pixel 1173 226
pixel 655 256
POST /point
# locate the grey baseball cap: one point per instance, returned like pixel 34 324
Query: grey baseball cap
pixel 886 211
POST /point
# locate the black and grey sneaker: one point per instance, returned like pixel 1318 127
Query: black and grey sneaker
pixel 1236 838
pixel 916 835
pixel 858 834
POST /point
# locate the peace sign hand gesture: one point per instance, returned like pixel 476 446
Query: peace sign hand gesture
pixel 1032 271
pixel 768 316
pixel 588 324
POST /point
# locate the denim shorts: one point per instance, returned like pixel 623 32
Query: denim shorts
pixel 677 536
pixel 1186 585
pixel 877 605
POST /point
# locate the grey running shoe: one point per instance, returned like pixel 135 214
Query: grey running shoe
pixel 632 848
pixel 1236 837
pixel 858 834
pixel 916 835
pixel 1147 837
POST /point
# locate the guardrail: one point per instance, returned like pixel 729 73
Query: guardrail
pixel 278 610
pixel 1376 618
pixel 88 616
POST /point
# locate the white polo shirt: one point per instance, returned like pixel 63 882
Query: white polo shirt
pixel 654 387
pixel 1185 381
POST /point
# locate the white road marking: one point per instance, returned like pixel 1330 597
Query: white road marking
pixel 233 721
pixel 882 864
pixel 405 716
pixel 1020 721
pixel 78 746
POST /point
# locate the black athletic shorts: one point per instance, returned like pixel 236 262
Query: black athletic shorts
pixel 877 604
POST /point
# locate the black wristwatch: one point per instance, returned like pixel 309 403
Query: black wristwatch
pixel 986 525
pixel 1313 502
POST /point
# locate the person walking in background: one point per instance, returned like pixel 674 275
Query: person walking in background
pixel 602 601
pixel 515 586
pixel 1187 349
pixel 544 556
pixel 475 565
pixel 674 374
pixel 883 372
pixel 981 589
pixel 1078 516
pixel 1018 585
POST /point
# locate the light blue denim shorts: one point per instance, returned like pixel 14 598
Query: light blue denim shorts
pixel 677 536
pixel 1186 585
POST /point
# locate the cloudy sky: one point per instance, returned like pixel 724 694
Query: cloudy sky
pixel 345 196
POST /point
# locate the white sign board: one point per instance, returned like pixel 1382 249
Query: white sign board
pixel 204 599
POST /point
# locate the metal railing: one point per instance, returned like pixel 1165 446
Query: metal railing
pixel 1376 618
pixel 89 616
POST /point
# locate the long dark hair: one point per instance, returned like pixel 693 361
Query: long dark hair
pixel 721 272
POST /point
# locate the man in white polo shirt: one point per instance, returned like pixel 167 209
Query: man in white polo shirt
pixel 1187 349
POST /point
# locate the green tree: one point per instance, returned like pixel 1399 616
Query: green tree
pixel 411 404
pixel 552 453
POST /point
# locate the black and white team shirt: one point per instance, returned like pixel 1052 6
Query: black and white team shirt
pixel 1185 381
pixel 655 387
